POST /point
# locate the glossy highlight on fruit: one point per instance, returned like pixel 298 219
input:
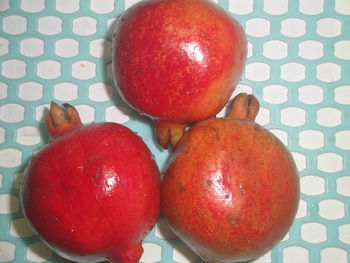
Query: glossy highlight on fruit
pixel 93 192
pixel 177 61
pixel 231 189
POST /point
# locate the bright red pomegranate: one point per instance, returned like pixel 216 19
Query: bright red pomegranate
pixel 93 192
pixel 231 190
pixel 177 61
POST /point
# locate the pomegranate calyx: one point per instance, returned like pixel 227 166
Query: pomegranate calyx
pixel 128 255
pixel 169 132
pixel 59 121
pixel 244 106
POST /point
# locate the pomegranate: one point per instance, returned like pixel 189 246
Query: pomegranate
pixel 93 192
pixel 177 61
pixel 231 189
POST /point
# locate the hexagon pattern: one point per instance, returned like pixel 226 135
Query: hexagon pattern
pixel 14 25
pixel 4 46
pixel 50 25
pixel 293 27
pixel 32 47
pixel 312 185
pixel 65 91
pixel 67 47
pixel 67 6
pixel 314 232
pixel 298 57
pixel 310 49
pixel 311 139
pixel 275 49
pixel 294 254
pixel 241 7
pixel 20 228
pixel 38 252
pixel 310 94
pixel 33 6
pixel 328 27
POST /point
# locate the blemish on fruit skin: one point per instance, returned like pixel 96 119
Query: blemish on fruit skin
pixel 232 219
pixel 181 189
pixel 208 183
pixel 242 189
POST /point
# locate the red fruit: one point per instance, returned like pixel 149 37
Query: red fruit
pixel 231 190
pixel 177 61
pixel 92 193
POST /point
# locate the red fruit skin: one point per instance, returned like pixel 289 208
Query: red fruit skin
pixel 178 60
pixel 231 190
pixel 93 193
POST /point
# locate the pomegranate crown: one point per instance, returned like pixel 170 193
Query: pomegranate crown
pixel 60 120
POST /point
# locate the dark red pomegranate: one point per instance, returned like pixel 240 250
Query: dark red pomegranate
pixel 93 192
pixel 177 61
pixel 231 190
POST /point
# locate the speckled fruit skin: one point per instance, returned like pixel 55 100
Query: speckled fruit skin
pixel 178 60
pixel 231 190
pixel 93 193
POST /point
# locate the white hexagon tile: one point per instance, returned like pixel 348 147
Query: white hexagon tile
pixel 297 66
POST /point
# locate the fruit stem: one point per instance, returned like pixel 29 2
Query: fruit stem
pixel 244 106
pixel 169 132
pixel 59 121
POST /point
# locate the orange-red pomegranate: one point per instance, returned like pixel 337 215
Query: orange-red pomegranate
pixel 93 192
pixel 177 61
pixel 231 190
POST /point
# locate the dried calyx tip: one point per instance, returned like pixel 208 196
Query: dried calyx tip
pixel 59 120
pixel 244 106
pixel 56 114
pixel 169 132
pixel 72 113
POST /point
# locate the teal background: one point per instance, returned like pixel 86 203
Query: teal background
pixel 143 126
